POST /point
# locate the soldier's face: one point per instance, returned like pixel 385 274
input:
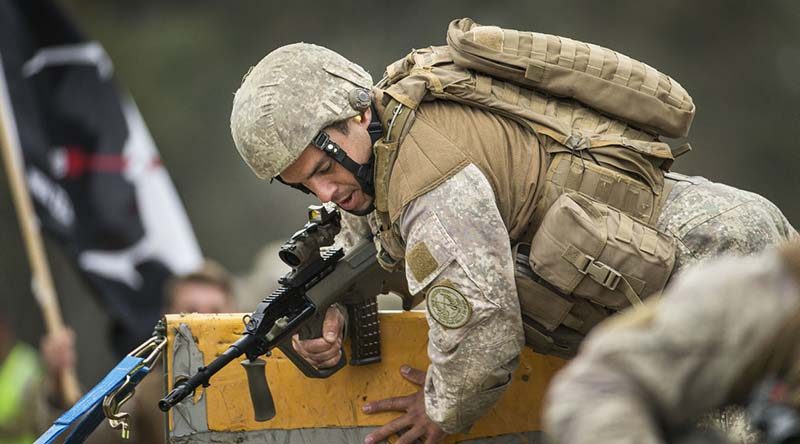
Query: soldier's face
pixel 326 178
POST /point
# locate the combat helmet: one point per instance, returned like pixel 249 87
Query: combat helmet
pixel 286 100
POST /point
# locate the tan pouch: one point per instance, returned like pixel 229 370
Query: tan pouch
pixel 590 250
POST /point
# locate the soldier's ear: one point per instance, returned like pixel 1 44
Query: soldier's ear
pixel 364 118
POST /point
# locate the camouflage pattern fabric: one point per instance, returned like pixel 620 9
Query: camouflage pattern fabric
pixel 355 228
pixel 663 366
pixel 468 251
pixel 710 219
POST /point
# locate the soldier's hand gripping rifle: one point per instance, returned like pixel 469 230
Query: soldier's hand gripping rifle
pixel 319 278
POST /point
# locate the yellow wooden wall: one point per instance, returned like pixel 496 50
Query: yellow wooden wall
pixel 336 402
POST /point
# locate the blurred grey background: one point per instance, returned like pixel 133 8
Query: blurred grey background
pixel 183 60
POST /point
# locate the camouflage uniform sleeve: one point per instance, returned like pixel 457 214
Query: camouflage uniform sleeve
pixel 354 228
pixel 709 219
pixel 458 252
pixel 676 358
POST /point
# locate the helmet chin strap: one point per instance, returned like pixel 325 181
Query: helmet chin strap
pixel 364 173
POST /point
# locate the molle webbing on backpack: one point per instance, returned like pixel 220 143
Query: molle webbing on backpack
pixel 618 190
pixel 598 77
pixel 622 191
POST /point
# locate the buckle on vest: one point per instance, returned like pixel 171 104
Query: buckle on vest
pixel 321 140
pixel 576 142
pixel 601 273
pixel 396 113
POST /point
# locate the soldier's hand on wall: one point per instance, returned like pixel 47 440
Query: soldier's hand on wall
pixel 415 426
pixel 325 351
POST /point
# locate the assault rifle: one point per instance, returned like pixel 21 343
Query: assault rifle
pixel 319 278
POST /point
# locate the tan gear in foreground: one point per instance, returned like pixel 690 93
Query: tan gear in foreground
pixel 719 330
pixel 287 98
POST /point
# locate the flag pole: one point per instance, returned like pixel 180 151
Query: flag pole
pixel 42 281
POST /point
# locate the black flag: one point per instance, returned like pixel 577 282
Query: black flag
pixel 92 168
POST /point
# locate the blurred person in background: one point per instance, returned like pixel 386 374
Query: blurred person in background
pixel 261 279
pixel 207 290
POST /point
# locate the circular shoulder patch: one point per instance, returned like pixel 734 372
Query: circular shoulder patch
pixel 448 307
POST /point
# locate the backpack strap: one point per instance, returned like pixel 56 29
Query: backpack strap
pixel 396 119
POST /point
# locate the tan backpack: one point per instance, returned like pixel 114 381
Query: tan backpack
pixel 600 78
pixel 599 115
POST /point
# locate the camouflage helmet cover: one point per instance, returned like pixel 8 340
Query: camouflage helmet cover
pixel 287 98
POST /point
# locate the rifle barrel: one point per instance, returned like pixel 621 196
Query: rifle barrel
pixel 187 387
